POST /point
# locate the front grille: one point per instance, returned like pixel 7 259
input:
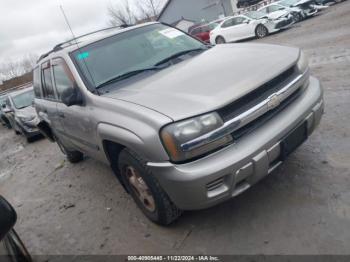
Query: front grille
pixel 258 95
pixel 266 117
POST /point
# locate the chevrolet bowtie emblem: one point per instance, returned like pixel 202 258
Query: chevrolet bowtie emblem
pixel 274 101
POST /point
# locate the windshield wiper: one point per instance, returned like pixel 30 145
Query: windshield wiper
pixel 127 75
pixel 179 54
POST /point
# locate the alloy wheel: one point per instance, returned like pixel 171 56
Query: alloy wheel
pixel 140 188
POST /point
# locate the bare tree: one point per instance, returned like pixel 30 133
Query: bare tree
pixel 14 68
pixel 121 14
pixel 151 8
pixel 132 12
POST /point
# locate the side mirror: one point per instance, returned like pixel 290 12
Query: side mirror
pixel 71 96
pixel 8 217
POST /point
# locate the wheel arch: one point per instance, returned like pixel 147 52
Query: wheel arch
pixel 46 130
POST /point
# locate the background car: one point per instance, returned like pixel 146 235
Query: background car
pixel 21 113
pixel 12 248
pixel 246 3
pixel 3 118
pixel 308 7
pixel 275 10
pixel 251 24
pixel 202 32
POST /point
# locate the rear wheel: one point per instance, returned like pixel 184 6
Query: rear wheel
pixel 220 40
pixel 261 31
pixel 145 189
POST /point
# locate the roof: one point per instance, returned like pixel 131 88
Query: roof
pixel 89 38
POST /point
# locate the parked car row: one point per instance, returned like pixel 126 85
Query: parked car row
pixel 267 19
pixel 18 113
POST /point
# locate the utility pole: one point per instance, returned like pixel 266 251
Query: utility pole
pixel 223 7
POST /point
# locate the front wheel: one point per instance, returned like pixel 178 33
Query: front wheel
pixel 297 17
pixel 145 189
pixel 261 31
pixel 220 40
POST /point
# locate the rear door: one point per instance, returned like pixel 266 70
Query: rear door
pixel 76 121
pixel 45 102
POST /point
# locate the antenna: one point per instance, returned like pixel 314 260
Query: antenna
pixel 79 49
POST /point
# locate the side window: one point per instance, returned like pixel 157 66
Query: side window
pixel 196 31
pixel 238 20
pixel 228 23
pixel 264 10
pixel 62 76
pixel 37 82
pixel 48 91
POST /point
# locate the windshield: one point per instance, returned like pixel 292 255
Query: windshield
pixel 212 26
pixel 288 2
pixel 274 8
pixel 132 50
pixel 254 14
pixel 24 99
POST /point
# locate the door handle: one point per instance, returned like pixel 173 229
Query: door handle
pixel 60 114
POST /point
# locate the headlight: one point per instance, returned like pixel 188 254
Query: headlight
pixel 303 63
pixel 176 135
pixel 26 118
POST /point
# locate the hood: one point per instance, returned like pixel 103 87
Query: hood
pixel 209 80
pixel 278 14
pixel 28 111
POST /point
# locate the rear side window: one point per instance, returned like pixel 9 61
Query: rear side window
pixel 62 76
pixel 37 82
pixel 48 91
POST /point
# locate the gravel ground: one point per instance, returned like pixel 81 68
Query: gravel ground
pixel 302 208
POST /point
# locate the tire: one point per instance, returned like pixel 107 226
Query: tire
pixel 15 247
pixel 261 31
pixel 297 17
pixel 145 190
pixel 220 40
pixel 72 156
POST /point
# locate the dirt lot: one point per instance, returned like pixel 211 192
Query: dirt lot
pixel 302 208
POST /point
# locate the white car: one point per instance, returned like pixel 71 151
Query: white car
pixel 275 10
pixel 251 24
pixel 308 7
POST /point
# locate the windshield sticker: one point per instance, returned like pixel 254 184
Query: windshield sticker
pixel 83 55
pixel 171 33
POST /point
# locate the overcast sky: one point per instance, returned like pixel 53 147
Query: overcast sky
pixel 35 26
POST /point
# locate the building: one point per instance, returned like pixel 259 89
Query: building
pixel 196 10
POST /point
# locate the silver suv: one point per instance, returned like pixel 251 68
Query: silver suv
pixel 183 125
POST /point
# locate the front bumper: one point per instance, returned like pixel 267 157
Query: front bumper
pixel 232 170
pixel 30 129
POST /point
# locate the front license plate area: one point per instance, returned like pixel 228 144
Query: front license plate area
pixel 293 140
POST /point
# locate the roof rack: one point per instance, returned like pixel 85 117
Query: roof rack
pixel 74 40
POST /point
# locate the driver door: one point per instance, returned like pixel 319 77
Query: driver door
pixel 75 120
